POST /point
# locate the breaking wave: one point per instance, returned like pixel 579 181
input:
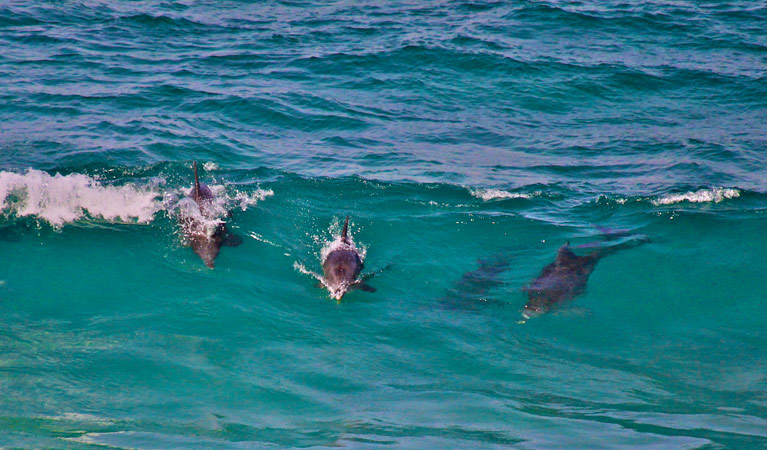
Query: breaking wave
pixel 61 199
pixel 712 195
pixel 497 194
pixel 64 199
pixel 715 195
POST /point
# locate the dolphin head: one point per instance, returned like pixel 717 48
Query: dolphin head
pixel 538 302
pixel 532 310
pixel 205 236
pixel 340 270
pixel 206 248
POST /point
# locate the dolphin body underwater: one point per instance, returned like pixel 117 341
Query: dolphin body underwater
pixel 204 233
pixel 566 277
pixel 471 291
pixel 342 267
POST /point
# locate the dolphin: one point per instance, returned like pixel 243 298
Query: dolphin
pixel 566 277
pixel 472 289
pixel 342 267
pixel 205 233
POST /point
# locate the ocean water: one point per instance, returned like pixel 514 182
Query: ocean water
pixel 454 133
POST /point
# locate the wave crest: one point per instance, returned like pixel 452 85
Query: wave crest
pixel 496 194
pixel 61 199
pixel 715 195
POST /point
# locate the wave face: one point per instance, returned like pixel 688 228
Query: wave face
pixel 468 141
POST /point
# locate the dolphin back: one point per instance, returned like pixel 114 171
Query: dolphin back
pixel 565 255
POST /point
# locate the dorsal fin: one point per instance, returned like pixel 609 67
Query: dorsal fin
pixel 196 191
pixel 565 254
pixel 345 233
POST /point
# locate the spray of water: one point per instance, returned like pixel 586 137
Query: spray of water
pixel 61 199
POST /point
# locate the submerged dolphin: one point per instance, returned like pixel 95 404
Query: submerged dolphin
pixel 204 232
pixel 471 290
pixel 342 267
pixel 566 277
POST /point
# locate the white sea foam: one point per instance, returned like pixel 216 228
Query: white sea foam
pixel 225 201
pixel 608 199
pixel 338 243
pixel 200 221
pixel 210 166
pixel 301 268
pixel 61 199
pixel 260 238
pixel 197 220
pixel 206 220
pixel 494 194
pixel 715 195
pixel 245 199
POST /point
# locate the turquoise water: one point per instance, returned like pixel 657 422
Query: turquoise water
pixel 452 133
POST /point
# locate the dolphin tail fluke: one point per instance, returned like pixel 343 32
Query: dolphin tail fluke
pixel 196 182
pixel 345 233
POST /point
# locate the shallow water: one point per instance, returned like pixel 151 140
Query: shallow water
pixel 452 133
